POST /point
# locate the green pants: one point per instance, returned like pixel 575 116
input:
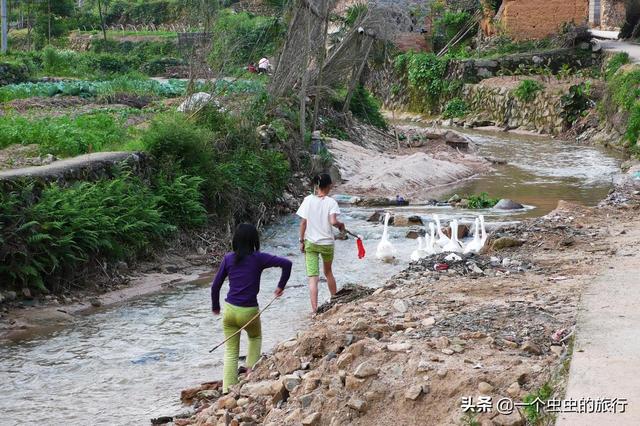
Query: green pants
pixel 313 252
pixel 233 318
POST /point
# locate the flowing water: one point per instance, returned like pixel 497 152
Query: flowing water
pixel 128 363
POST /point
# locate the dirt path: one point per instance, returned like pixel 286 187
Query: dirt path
pixel 606 360
pixel 623 46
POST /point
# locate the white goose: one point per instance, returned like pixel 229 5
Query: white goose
pixel 453 245
pixel 386 251
pixel 442 239
pixel 483 237
pixel 432 246
pixel 420 252
pixel 475 245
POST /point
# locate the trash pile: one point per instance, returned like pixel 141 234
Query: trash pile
pixel 469 264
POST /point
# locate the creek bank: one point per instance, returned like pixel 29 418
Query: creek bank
pixel 188 257
pixel 35 316
pixel 412 167
pixel 496 324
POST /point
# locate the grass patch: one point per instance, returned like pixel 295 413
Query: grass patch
pixel 119 33
pixel 624 94
pixel 456 107
pixel 481 201
pixel 615 63
pixel 64 136
pixel 527 90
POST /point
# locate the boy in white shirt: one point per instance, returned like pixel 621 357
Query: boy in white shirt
pixel 319 214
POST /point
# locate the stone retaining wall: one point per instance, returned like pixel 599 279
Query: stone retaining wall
pixel 89 167
pixel 499 106
pixel 474 70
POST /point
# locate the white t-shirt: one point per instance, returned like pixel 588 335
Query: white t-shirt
pixel 264 63
pixel 317 211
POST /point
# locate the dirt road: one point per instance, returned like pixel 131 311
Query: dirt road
pixel 606 359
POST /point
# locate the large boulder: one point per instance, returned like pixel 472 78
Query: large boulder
pixel 506 204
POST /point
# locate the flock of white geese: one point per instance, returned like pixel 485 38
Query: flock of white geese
pixel 433 244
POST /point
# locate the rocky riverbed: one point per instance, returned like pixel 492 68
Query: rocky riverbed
pixel 498 324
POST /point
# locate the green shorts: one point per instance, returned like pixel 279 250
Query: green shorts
pixel 312 254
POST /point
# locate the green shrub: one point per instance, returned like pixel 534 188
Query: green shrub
pixel 481 201
pixel 241 38
pixel 576 102
pixel 367 108
pixel 158 66
pixel 633 125
pixel 331 127
pixel 180 201
pixel 426 77
pixel 623 94
pixel 58 62
pixel 238 175
pixel 50 239
pixel 532 413
pixel 456 107
pixel 12 72
pixel 64 135
pixel 175 142
pixel 108 63
pixel 615 63
pixel 527 90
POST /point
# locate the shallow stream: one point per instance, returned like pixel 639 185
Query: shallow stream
pixel 126 364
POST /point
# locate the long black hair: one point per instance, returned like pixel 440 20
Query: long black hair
pixel 322 181
pixel 246 241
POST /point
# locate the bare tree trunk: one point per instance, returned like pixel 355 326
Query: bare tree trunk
pixel 305 82
pixel 355 78
pixel 323 55
pixel 104 30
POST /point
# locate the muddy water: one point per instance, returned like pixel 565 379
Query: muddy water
pixel 126 364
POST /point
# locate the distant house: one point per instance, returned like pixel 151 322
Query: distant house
pixel 536 19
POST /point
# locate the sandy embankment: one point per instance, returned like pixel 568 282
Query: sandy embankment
pixel 412 172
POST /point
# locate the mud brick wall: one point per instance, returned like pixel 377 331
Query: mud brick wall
pixel 535 19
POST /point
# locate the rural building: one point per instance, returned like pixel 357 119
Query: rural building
pixel 535 19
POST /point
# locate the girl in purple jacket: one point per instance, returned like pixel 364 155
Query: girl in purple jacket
pixel 244 267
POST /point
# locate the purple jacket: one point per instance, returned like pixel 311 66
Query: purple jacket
pixel 244 278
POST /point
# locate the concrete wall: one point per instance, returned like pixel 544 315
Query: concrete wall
pixel 535 19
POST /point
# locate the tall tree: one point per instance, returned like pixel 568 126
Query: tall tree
pixel 104 30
